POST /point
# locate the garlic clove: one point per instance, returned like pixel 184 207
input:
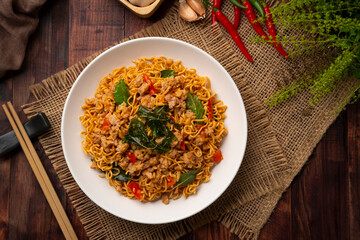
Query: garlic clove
pixel 186 12
pixel 197 6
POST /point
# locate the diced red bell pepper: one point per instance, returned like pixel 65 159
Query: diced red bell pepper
pixel 106 124
pixel 170 181
pixel 135 189
pixel 151 88
pixel 131 157
pixel 182 145
pixel 217 156
pixel 210 108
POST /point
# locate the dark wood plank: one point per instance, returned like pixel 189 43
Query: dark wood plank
pixel 5 169
pixel 279 225
pixel 210 231
pixel 353 170
pixel 30 214
pixel 94 25
pixel 334 159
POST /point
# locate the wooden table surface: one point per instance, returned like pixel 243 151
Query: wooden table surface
pixel 322 202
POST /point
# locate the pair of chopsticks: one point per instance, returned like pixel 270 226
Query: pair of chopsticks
pixel 40 172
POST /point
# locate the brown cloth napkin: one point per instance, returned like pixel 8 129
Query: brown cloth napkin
pixel 18 19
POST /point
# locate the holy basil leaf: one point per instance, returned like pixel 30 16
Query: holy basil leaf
pixel 159 115
pixel 156 120
pixel 137 135
pixel 174 123
pixel 120 174
pixel 167 73
pixel 165 144
pixel 194 104
pixel 157 129
pixel 187 178
pixel 121 93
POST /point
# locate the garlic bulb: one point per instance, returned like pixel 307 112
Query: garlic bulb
pixel 191 10
pixel 197 6
pixel 141 3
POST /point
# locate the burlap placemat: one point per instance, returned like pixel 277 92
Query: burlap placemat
pixel 298 125
pixel 280 140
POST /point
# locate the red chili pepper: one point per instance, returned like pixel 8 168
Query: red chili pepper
pixel 250 14
pixel 172 118
pixel 272 31
pixel 237 16
pixel 217 4
pixel 148 80
pixel 233 32
pixel 131 157
pixel 170 181
pixel 210 108
pixel 182 145
pixel 106 124
pixel 135 189
pixel 217 156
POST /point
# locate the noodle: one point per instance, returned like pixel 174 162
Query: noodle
pixel 149 173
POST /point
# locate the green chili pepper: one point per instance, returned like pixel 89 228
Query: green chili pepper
pixel 258 6
pixel 236 3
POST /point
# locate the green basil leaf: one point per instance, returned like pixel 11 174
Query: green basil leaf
pixel 194 104
pixel 137 135
pixel 121 174
pixel 165 145
pixel 156 120
pixel 174 123
pixel 187 178
pixel 121 93
pixel 167 73
pixel 157 115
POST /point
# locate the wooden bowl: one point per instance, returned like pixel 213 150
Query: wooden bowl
pixel 143 12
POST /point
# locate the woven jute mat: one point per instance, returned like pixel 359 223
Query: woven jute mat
pixel 280 140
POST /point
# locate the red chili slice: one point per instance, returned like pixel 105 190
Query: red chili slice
pixel 210 108
pixel 217 156
pixel 170 181
pixel 106 124
pixel 151 88
pixel 135 189
pixel 182 146
pixel 131 157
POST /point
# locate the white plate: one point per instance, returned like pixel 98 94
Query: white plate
pixel 98 189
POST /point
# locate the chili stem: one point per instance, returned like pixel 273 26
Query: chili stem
pixel 236 3
pixel 258 6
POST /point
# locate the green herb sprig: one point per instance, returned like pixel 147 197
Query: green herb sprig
pixel 332 24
